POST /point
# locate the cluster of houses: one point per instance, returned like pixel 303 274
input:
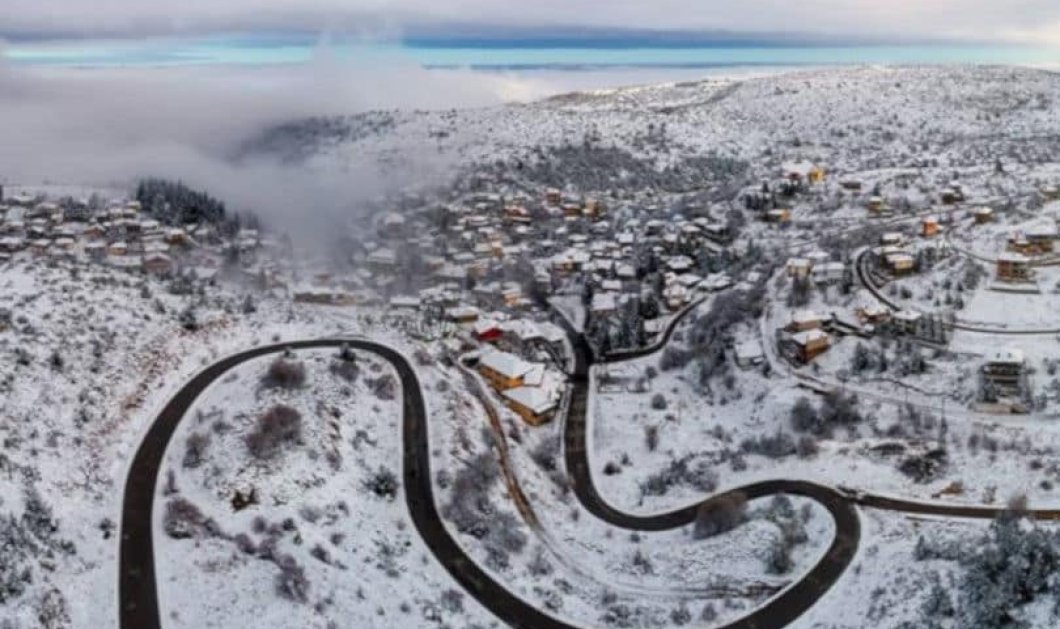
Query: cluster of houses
pixel 817 266
pixel 803 338
pixel 488 252
pixel 532 390
pixel 118 234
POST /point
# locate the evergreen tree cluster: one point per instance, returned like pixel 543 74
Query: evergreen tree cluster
pixel 174 203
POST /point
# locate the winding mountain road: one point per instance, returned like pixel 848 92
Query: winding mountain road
pixel 138 594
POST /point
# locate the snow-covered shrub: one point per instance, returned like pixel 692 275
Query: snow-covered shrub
pixel 285 373
pixel 775 446
pixel 539 565
pixel 806 446
pixel 245 544
pixel 778 557
pixel 680 615
pixel 383 483
pixel 195 449
pixel 702 477
pixel 452 601
pixel 345 369
pixel 545 453
pixel 658 402
pixel 291 583
pixel 469 506
pixel 651 437
pixel 182 519
pixel 674 358
pixel 719 514
pixel 53 611
pixel 384 387
pixel 924 468
pixel 938 604
pixel 279 425
pixel 804 416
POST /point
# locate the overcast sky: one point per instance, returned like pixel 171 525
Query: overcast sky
pixel 1021 20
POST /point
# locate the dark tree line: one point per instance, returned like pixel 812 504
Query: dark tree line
pixel 175 203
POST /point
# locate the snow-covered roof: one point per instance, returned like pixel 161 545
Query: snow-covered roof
pixel 1012 257
pixel 808 336
pixel 507 365
pixel 535 399
pixel 749 350
pixel 805 316
pixel 405 301
pixel 603 302
pixel 910 316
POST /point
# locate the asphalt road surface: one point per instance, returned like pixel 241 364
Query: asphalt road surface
pixel 138 595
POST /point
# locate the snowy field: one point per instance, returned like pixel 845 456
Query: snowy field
pixel 330 508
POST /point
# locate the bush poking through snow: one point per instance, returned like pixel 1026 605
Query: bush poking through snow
pixel 383 483
pixel 545 453
pixel 280 425
pixel 384 387
pixel 195 449
pixel 291 583
pixel 775 446
pixel 720 514
pixel 182 519
pixel 285 373
pixel 651 437
pixel 702 477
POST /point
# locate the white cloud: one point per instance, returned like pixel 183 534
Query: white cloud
pixel 111 126
pixel 919 18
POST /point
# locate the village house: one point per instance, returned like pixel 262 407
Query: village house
pixel 462 314
pixel 983 215
pixel 897 261
pixel 779 215
pixel 11 244
pixel 829 272
pixel 158 263
pixel 1004 370
pixel 1041 237
pixel 892 239
pixel 802 320
pixel 803 171
pixel 798 267
pixel 1013 267
pixel 405 302
pixel 39 246
pixel 503 370
pixel 810 344
pixel 604 304
pixel 95 250
pixel 952 195
pixel 487 330
pixel 535 405
pixel 876 205
pixel 749 354
pixel 906 321
pixel 929 226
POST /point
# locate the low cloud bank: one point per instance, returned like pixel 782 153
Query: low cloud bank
pixel 113 126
